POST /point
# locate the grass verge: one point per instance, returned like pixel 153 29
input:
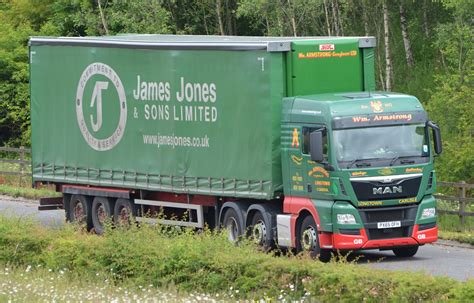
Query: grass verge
pixel 208 263
pixel 29 193
pixel 463 237
pixel 450 228
pixel 37 284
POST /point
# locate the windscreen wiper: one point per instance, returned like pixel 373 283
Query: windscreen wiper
pixel 407 161
pixel 360 164
pixel 393 160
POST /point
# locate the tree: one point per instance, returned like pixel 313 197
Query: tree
pixel 406 40
pixel 388 58
pixel 219 17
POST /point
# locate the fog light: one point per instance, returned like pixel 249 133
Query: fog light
pixel 428 213
pixel 346 219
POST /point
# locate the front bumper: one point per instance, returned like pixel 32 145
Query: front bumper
pixel 355 242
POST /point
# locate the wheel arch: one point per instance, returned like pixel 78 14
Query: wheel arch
pixel 240 208
pixel 268 211
pixel 301 216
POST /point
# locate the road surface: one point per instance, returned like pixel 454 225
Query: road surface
pixel 441 259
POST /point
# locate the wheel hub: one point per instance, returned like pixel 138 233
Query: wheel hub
pixel 259 232
pixel 79 212
pixel 124 216
pixel 309 239
pixel 233 229
pixel 101 214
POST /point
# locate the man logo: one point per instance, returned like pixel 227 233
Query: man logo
pixel 387 190
pixel 110 142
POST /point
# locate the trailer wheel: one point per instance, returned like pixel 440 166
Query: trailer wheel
pixel 260 232
pixel 124 211
pixel 232 224
pixel 80 211
pixel 101 212
pixel 308 240
pixel 405 252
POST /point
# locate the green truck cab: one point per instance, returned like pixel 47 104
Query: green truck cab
pixel 364 161
pixel 281 139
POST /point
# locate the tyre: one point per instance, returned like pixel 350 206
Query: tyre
pixel 260 232
pixel 232 224
pixel 124 212
pixel 405 252
pixel 101 212
pixel 80 211
pixel 308 240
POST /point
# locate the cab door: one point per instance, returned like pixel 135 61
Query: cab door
pixel 316 177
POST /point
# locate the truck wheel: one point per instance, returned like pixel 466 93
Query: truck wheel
pixel 101 212
pixel 308 240
pixel 124 211
pixel 79 211
pixel 405 252
pixel 233 225
pixel 260 233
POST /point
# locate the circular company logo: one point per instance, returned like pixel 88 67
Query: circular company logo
pixel 98 68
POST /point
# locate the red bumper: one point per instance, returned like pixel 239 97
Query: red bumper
pixel 353 242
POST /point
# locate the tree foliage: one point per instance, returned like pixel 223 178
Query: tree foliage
pixel 438 34
pixel 452 99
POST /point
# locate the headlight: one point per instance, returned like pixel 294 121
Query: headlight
pixel 428 213
pixel 346 219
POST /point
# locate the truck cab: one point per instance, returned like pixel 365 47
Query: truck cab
pixel 362 165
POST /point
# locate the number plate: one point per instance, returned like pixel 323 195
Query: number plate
pixel 390 224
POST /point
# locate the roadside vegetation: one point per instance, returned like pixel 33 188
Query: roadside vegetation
pixel 463 237
pixel 28 193
pixel 451 227
pixel 206 263
pixel 20 186
pixel 38 284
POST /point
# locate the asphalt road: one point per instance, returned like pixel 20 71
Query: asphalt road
pixel 444 258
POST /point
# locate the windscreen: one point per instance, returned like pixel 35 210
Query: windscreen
pixel 375 146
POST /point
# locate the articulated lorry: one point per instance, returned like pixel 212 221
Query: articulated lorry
pixel 284 140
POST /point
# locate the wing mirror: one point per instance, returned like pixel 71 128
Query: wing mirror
pixel 438 146
pixel 316 146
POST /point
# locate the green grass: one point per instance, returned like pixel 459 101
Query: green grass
pixel 450 227
pixel 463 237
pixel 14 180
pixel 29 193
pixel 207 263
pixel 452 223
pixel 20 186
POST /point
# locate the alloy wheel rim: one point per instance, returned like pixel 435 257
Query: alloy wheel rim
pixel 101 214
pixel 259 232
pixel 79 212
pixel 309 239
pixel 233 229
pixel 124 216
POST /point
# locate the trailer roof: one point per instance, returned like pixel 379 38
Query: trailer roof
pixel 152 41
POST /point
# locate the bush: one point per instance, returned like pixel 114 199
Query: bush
pixel 207 262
